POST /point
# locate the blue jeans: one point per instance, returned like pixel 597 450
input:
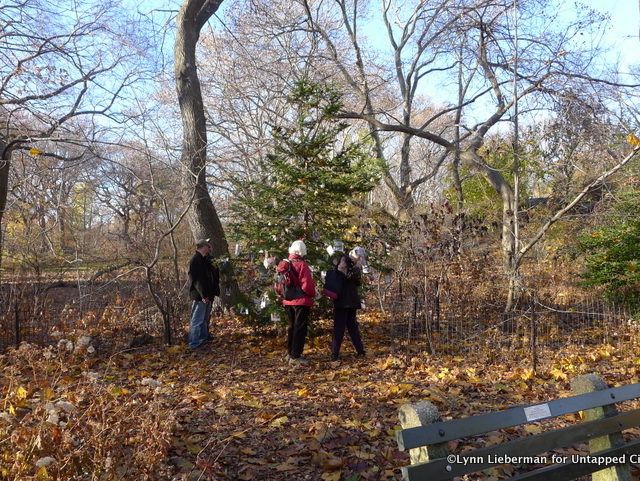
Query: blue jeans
pixel 199 323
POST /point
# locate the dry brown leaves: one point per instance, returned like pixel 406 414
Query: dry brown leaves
pixel 237 411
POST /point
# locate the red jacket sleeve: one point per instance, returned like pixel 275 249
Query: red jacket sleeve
pixel 306 280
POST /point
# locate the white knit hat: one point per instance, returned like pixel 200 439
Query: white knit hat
pixel 298 247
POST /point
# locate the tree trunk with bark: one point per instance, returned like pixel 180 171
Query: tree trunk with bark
pixel 511 259
pixel 203 217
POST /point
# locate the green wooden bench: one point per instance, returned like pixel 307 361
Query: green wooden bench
pixel 426 437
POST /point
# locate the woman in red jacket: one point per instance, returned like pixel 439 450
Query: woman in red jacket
pixel 298 309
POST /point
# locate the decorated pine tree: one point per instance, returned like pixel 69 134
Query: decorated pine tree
pixel 306 184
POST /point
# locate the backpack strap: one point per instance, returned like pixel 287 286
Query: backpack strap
pixel 293 271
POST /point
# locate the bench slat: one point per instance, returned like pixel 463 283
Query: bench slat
pixel 575 470
pixel 473 425
pixel 441 469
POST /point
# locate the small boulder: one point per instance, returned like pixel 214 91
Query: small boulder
pixel 82 344
pixel 53 417
pixel 65 406
pixel 152 383
pixel 45 462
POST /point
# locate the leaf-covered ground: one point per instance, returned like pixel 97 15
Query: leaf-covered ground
pixel 235 410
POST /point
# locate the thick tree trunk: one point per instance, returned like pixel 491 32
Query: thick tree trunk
pixel 203 217
pixel 510 248
pixel 404 196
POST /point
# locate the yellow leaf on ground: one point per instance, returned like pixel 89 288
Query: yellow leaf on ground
pixel 48 393
pixel 118 391
pixel 221 410
pixel 389 474
pixel 34 151
pixel 42 473
pixel 278 422
pixel 472 375
pixel 252 403
pixel 558 374
pixel 533 429
pixel 200 396
pixel 526 374
pixel 386 364
pixel 21 393
pixel 400 388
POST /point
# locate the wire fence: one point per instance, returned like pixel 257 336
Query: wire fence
pixel 35 311
pixel 440 324
pixel 431 316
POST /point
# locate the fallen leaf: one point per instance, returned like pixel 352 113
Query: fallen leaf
pixel 333 476
pixel 278 422
pixel 21 393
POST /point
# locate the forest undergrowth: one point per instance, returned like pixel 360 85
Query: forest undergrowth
pixel 236 410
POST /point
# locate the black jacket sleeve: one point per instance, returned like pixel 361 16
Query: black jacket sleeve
pixel 202 278
pixel 333 282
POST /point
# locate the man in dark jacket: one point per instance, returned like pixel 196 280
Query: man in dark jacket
pixel 205 285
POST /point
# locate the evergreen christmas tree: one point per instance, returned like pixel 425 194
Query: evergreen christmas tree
pixel 307 182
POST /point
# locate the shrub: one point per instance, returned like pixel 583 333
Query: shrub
pixel 613 251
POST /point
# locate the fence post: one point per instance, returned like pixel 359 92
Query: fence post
pixel 436 306
pixel 422 413
pixel 591 383
pixel 534 337
pixel 17 322
pixel 167 315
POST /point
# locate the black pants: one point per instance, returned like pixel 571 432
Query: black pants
pixel 345 317
pixel 297 332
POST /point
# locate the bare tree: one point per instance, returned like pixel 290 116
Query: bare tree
pixel 475 45
pixel 241 105
pixel 56 71
pixel 43 195
pixel 203 217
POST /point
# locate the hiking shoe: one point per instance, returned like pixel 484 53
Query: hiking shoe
pixel 299 361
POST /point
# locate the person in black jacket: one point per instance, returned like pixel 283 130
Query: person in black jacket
pixel 341 284
pixel 204 286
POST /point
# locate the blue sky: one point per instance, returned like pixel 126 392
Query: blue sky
pixel 622 36
pixel 625 24
pixel 625 18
